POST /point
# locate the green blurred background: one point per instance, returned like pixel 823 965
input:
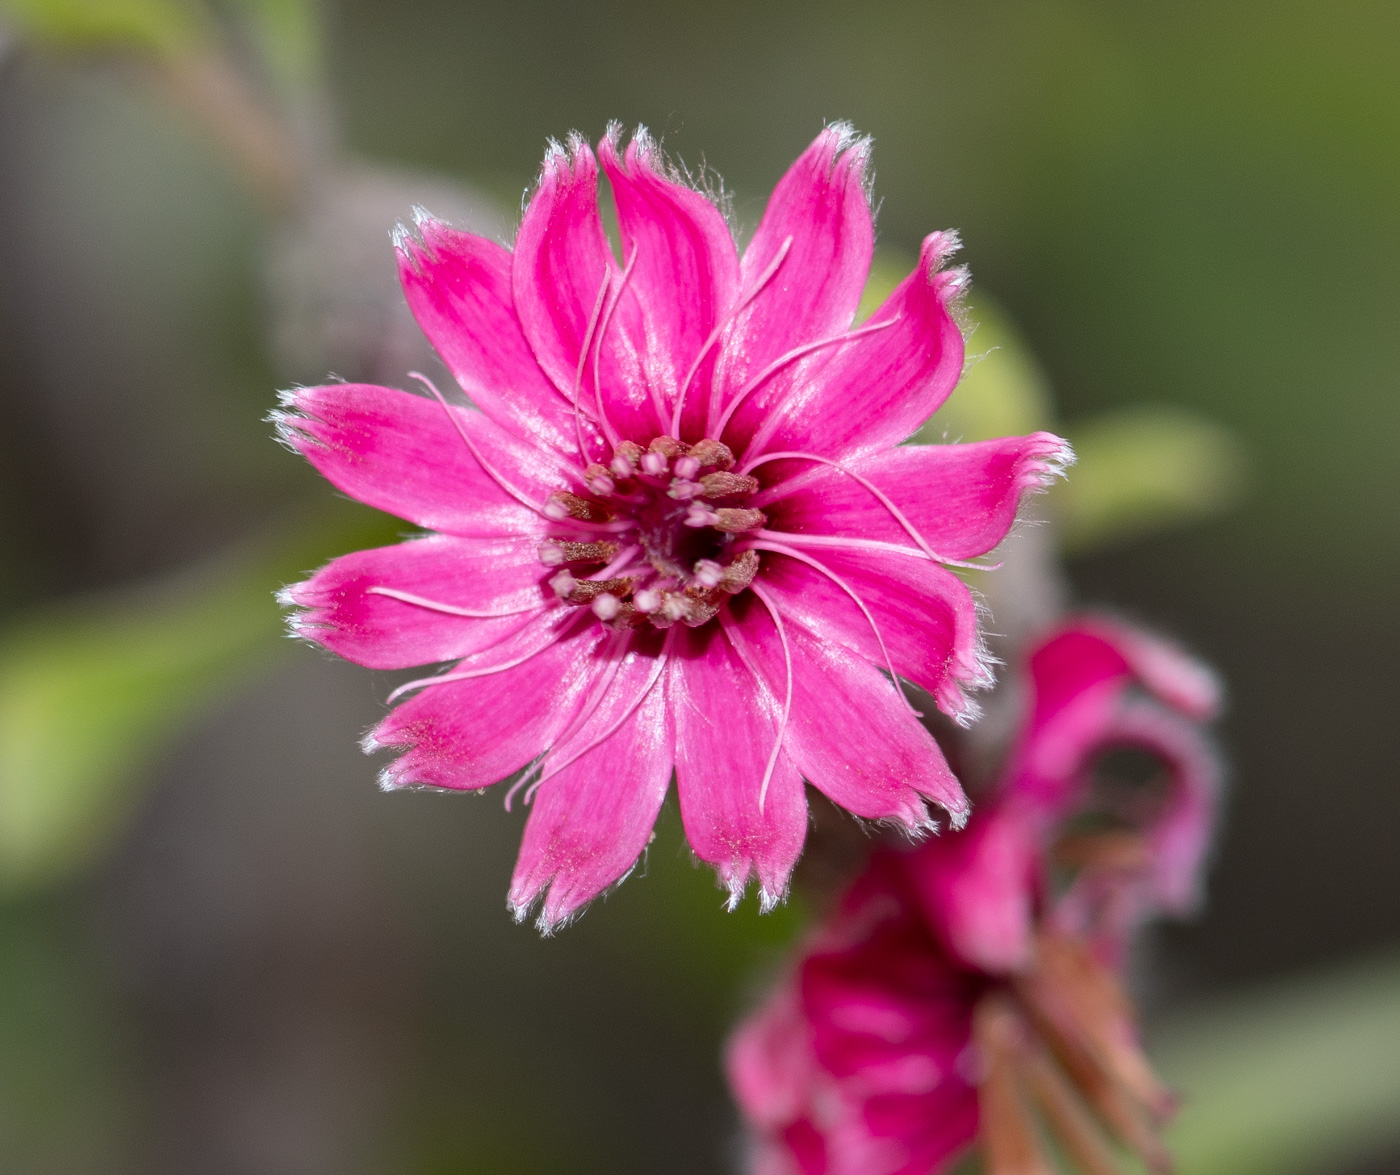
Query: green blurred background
pixel 222 950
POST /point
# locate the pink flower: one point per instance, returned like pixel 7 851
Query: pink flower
pixel 679 533
pixel 960 981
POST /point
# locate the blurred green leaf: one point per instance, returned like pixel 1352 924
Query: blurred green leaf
pixel 164 27
pixel 1304 1078
pixel 1143 469
pixel 91 692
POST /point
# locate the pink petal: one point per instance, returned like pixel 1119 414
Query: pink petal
pixel 977 889
pixel 686 274
pixel 961 498
pixel 400 453
pixel 591 821
pixel 925 614
pixel 725 732
pixel 458 287
pixel 874 390
pixel 562 261
pixel 819 212
pixel 383 632
pixel 850 734
pixel 473 733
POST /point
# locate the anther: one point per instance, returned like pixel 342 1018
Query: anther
pixel 708 573
pixel 687 467
pixel 740 573
pixel 674 607
pixel 647 600
pixel 654 464
pixel 700 514
pixel 732 520
pixel 715 453
pixel 563 583
pixel 625 458
pixel 599 480
pixel 585 591
pixel 606 606
pixel 683 490
pixel 553 552
pixel 723 485
pixel 668 447
pixel 563 504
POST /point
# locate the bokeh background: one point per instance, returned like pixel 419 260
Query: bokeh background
pixel 223 950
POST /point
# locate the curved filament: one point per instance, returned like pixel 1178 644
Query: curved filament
pixel 783 361
pixel 446 609
pixel 739 307
pixel 612 433
pixel 582 362
pixel 471 445
pixel 612 729
pixel 487 671
pixel 838 543
pixel 823 569
pixel 787 693
pixel 776 493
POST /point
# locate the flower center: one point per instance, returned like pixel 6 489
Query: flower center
pixel 662 521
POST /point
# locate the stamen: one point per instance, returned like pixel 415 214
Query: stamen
pixel 821 568
pixel 732 520
pixel 717 430
pixel 647 600
pixel 708 573
pixel 561 505
pixel 654 464
pixel 563 583
pixel 625 458
pixel 724 485
pixel 683 491
pixel 607 606
pixel 711 452
pixel 446 609
pixel 700 515
pixel 599 480
pixel 553 552
pixel 687 467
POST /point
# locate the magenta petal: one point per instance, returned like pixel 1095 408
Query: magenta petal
pixel 459 289
pixel 498 582
pixel 725 732
pixel 401 453
pixel 850 734
pixel 561 260
pixel 591 821
pixel 875 389
pixel 962 499
pixel 818 221
pixel 977 888
pixel 473 733
pixel 925 614
pixel 685 276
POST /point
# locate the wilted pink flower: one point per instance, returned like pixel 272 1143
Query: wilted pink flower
pixel 679 533
pixel 964 980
